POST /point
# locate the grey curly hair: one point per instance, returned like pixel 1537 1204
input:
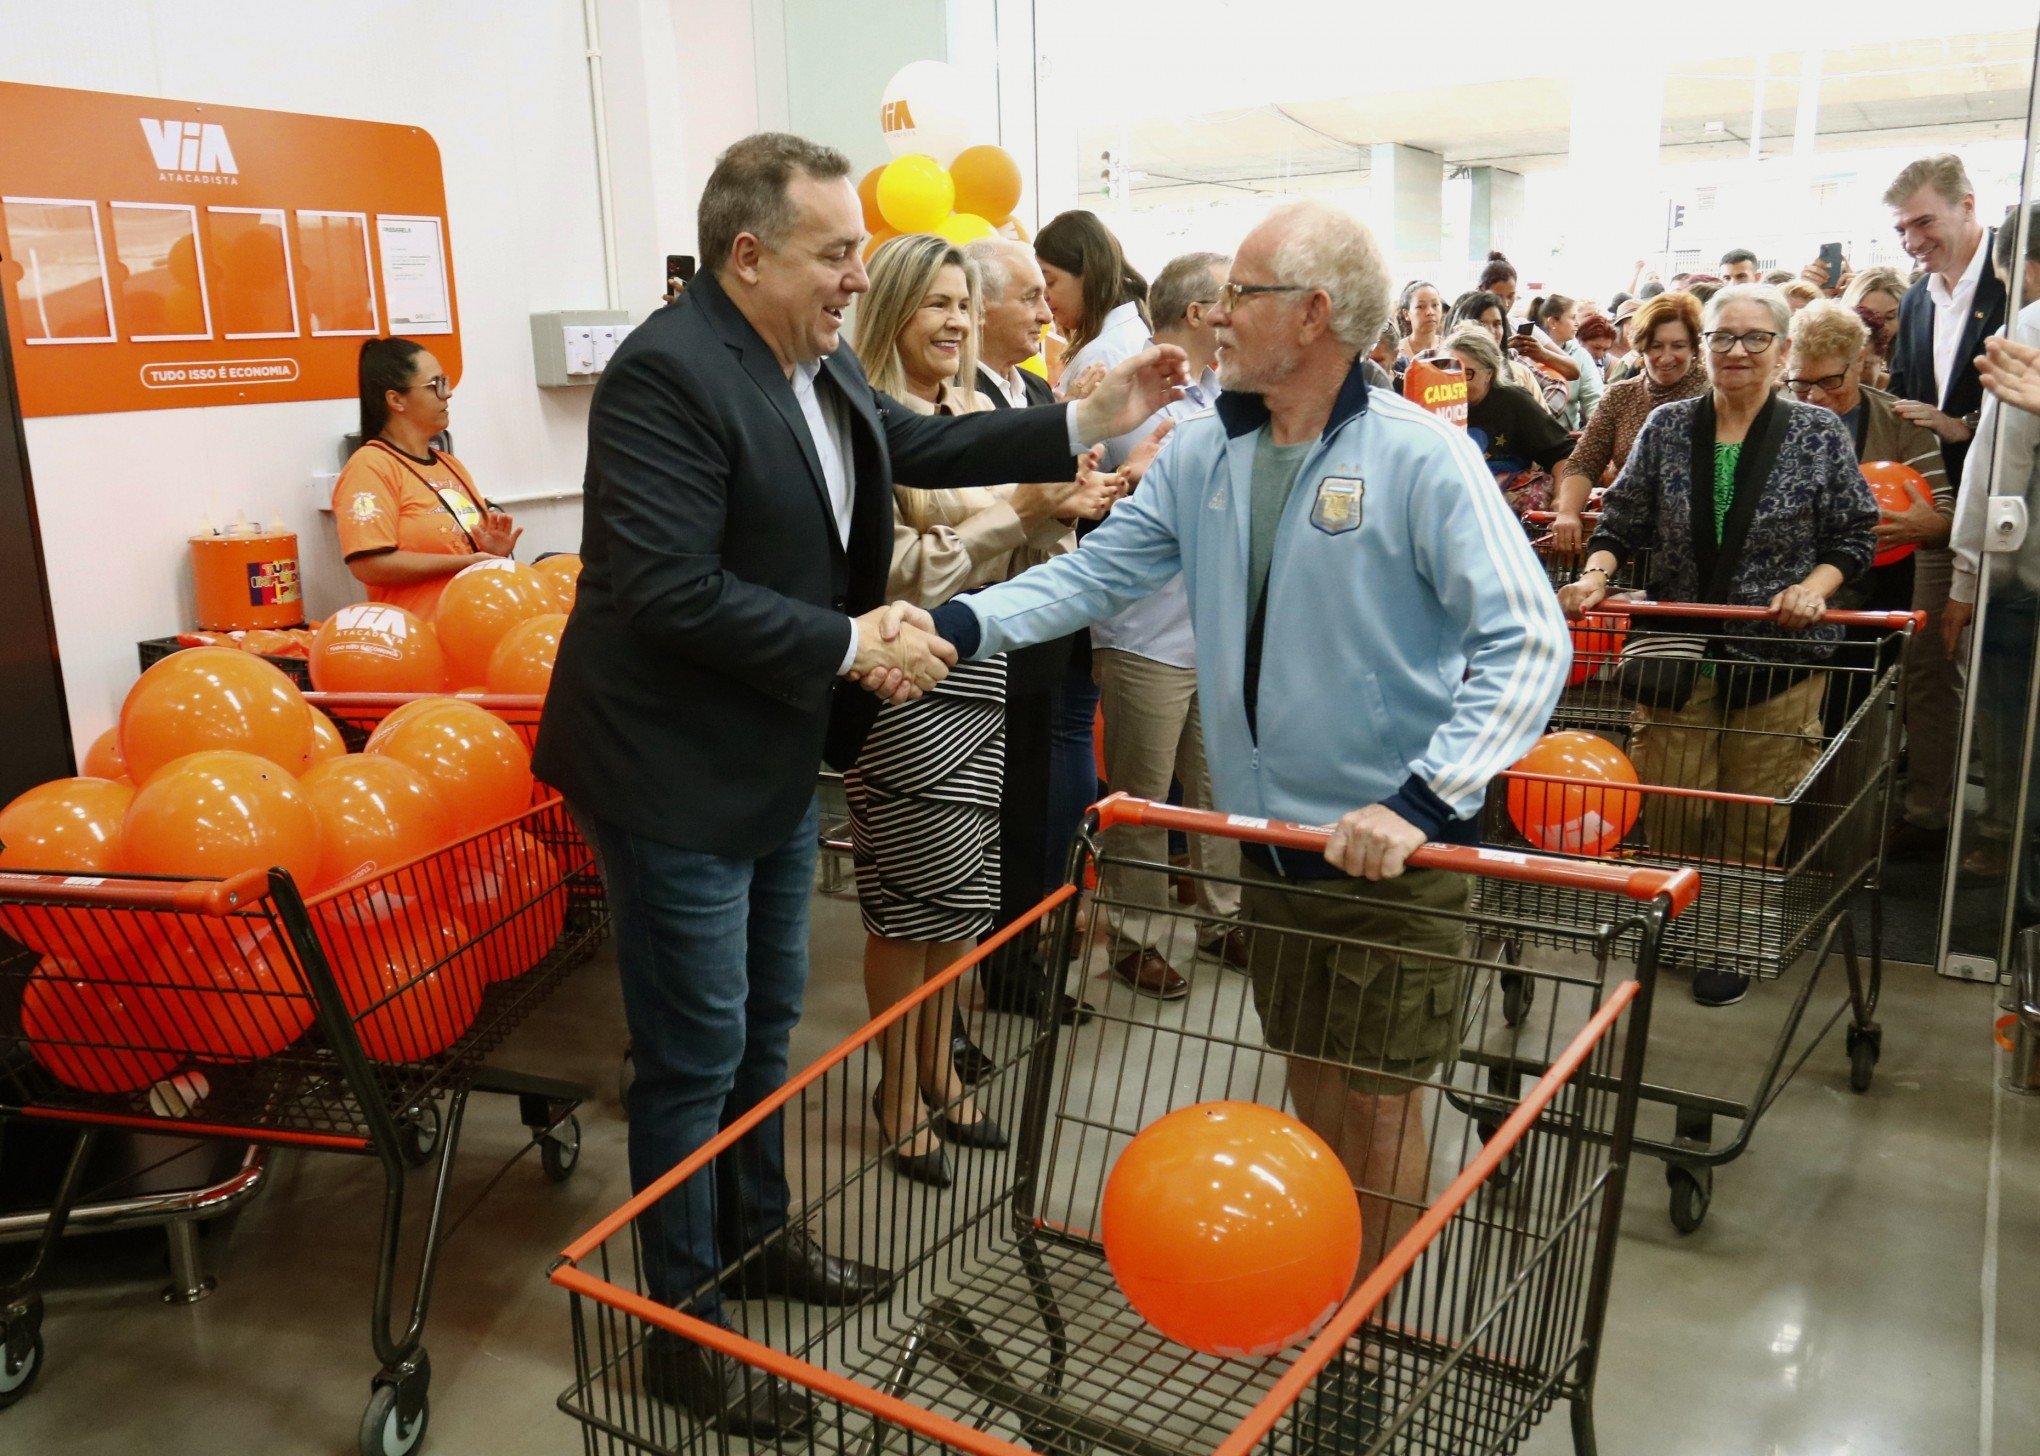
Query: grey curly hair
pixel 1324 248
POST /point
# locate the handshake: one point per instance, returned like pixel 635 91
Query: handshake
pixel 899 657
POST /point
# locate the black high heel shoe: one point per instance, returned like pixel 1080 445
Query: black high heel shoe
pixel 931 1167
pixel 983 1133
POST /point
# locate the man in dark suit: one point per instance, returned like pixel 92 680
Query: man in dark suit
pixel 1945 317
pixel 737 531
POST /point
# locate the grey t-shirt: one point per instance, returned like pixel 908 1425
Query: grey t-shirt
pixel 1275 468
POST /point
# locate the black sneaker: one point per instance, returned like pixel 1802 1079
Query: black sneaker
pixel 1717 986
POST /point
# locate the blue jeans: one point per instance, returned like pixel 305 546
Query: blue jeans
pixel 1072 765
pixel 714 959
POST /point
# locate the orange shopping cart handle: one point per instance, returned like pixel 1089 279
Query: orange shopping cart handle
pixel 1637 607
pixel 207 897
pixel 1636 882
pixel 386 702
pixel 1545 518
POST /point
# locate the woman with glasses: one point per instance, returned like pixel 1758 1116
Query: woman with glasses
pixel 1874 294
pixel 408 513
pixel 1826 367
pixel 1750 499
pixel 1491 313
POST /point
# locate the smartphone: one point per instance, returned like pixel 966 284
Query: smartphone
pixel 1525 329
pixel 1831 254
pixel 679 265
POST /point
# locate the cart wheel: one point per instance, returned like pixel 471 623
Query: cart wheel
pixel 1866 1044
pixel 1692 1190
pixel 559 1150
pixel 1519 993
pixel 18 1373
pixel 626 1076
pixel 418 1134
pixel 384 1431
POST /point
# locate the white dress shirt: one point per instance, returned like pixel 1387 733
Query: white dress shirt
pixel 828 427
pixel 1951 316
pixel 1009 384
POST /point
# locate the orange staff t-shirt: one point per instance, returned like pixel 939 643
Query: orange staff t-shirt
pixel 386 500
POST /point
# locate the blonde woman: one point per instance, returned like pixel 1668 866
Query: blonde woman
pixel 1874 294
pixel 924 792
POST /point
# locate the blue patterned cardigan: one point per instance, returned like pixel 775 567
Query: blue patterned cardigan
pixel 1813 508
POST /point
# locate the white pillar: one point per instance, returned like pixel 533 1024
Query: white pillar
pixel 1618 207
pixel 1406 203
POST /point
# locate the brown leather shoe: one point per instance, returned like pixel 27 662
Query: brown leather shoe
pixel 1988 861
pixel 1228 948
pixel 1146 972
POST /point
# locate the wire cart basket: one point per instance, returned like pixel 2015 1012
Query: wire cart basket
pixel 355 1020
pixel 1780 802
pixel 1561 567
pixel 1005 1332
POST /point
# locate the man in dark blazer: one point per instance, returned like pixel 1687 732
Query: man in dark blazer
pixel 736 536
pixel 1945 317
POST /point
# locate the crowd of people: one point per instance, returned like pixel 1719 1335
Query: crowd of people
pixel 839 508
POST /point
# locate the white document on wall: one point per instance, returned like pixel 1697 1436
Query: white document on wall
pixel 415 291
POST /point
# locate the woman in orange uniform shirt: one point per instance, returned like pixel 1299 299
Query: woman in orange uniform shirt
pixel 409 516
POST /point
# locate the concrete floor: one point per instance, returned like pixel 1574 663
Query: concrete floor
pixel 1846 1294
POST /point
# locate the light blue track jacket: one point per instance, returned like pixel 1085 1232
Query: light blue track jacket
pixel 1412 645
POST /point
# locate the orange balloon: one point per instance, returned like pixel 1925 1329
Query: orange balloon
pixel 1583 817
pixel 214 815
pixel 523 661
pixel 514 899
pixel 479 606
pixel 879 238
pixel 69 825
pixel 1232 1228
pixel 374 813
pixel 327 744
pixel 404 973
pixel 102 759
pixel 404 712
pixel 1597 639
pixel 563 573
pixel 222 990
pixel 867 197
pixel 1896 487
pixel 212 698
pixel 475 762
pixel 373 647
pixel 987 183
pixel 84 1027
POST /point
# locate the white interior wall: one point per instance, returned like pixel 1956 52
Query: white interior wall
pixel 503 89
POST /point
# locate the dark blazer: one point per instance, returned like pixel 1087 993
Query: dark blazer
pixel 1912 352
pixel 1038 670
pixel 696 681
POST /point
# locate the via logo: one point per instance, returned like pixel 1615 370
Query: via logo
pixel 191 147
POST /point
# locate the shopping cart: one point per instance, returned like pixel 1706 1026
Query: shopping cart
pixel 214 1008
pixel 1006 1332
pixel 1784 869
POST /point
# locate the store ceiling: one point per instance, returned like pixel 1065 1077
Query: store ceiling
pixel 1955 89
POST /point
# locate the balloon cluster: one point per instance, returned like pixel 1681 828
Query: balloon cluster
pixel 497 629
pixel 423 892
pixel 936 182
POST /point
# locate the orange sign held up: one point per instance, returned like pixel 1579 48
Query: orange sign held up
pixel 161 254
pixel 1439 386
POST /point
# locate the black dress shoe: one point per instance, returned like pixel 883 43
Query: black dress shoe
pixel 1021 982
pixel 965 1055
pixel 931 1167
pixel 724 1393
pixel 793 1266
pixel 984 1133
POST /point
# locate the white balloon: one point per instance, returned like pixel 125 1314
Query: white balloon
pixel 928 109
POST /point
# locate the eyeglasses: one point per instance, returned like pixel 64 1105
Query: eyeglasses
pixel 1756 341
pixel 1230 293
pixel 439 384
pixel 1826 384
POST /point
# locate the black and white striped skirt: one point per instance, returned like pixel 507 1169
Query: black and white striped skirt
pixel 924 809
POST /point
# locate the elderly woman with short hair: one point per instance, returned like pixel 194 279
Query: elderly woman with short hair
pixel 1744 498
pixel 1826 368
pixel 1521 443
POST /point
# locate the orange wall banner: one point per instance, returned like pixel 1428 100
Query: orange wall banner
pixel 1440 389
pixel 163 255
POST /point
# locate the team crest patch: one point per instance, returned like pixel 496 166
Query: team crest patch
pixel 363 508
pixel 1337 507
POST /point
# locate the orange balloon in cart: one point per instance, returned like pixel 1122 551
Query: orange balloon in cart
pixel 220 990
pixel 405 973
pixel 1597 639
pixel 1588 814
pixel 1232 1228
pixel 85 1028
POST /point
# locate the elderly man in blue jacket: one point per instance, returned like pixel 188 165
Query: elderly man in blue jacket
pixel 1375 641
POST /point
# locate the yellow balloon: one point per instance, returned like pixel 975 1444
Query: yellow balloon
pixel 1035 366
pixel 961 228
pixel 914 194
